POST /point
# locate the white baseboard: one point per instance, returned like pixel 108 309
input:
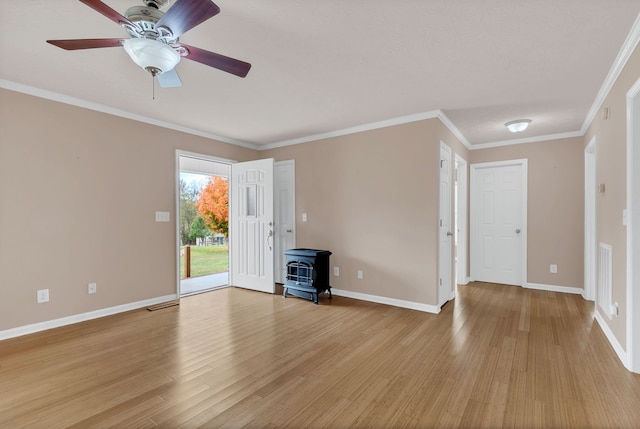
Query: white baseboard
pixel 388 301
pixel 553 288
pixel 64 321
pixel 622 355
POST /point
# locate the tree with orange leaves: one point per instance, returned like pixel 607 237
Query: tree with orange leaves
pixel 213 205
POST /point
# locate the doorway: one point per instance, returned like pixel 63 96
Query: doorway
pixel 460 217
pixel 445 231
pixel 590 236
pixel 499 222
pixel 203 219
pixel 633 228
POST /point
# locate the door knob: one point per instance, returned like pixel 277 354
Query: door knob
pixel 517 231
pixel 449 233
pixel 289 230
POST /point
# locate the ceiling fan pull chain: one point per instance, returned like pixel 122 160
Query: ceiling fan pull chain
pixel 153 86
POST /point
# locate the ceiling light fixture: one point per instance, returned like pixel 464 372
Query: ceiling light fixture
pixel 518 125
pixel 153 56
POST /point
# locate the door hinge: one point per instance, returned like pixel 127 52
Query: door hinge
pixel 441 162
pixel 441 282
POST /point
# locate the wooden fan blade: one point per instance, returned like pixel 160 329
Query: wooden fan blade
pixel 220 62
pixel 186 14
pixel 73 44
pixel 107 11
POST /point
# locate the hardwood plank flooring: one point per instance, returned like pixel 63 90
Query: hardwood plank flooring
pixel 497 356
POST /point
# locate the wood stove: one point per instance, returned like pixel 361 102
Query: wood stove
pixel 307 273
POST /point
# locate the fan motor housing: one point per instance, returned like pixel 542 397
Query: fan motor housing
pixel 146 18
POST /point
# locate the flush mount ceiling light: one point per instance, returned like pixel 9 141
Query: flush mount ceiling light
pixel 518 125
pixel 153 56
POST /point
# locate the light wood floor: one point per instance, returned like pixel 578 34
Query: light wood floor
pixel 498 356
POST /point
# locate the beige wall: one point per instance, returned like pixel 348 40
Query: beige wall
pixel 611 135
pixel 372 199
pixel 78 193
pixel 555 207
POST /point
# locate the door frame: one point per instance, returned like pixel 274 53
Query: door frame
pixel 276 209
pixel 195 155
pixel 633 228
pixel 590 220
pixel 461 219
pixel 442 258
pixel 473 209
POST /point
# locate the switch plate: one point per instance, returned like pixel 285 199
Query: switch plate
pixel 360 274
pixel 336 271
pixel 92 288
pixel 553 268
pixel 304 217
pixel 162 216
pixel 43 296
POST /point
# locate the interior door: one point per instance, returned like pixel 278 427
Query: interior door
pixel 251 231
pixel 498 222
pixel 285 215
pixel 445 229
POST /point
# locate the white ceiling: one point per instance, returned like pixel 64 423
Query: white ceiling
pixel 324 66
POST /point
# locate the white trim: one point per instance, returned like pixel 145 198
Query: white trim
pixel 49 95
pixel 69 320
pixel 633 229
pixel 611 337
pixel 590 220
pixel 357 129
pixel 462 183
pixel 387 301
pixel 454 130
pixel 559 136
pixel 554 288
pixel 445 259
pixel 627 49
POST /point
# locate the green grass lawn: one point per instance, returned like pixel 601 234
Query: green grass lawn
pixel 206 260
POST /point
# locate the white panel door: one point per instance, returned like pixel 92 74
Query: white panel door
pixel 251 230
pixel 498 222
pixel 285 215
pixel 445 228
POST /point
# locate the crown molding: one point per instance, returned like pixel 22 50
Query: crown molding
pixel 537 139
pixel 53 96
pixel 627 49
pixel 456 132
pixel 357 129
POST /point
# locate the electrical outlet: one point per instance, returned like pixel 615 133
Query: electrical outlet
pixel 553 268
pixel 336 271
pixel 92 288
pixel 43 296
pixel 360 275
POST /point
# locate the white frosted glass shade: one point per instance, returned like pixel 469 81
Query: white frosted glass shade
pixel 151 54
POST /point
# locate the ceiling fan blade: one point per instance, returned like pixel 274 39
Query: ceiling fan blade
pixel 220 62
pixel 169 79
pixel 107 11
pixel 73 44
pixel 186 14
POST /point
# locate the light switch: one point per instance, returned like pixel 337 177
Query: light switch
pixel 162 216
pixel 304 217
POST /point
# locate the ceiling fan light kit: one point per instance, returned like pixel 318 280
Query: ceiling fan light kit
pixel 153 56
pixel 518 125
pixel 154 35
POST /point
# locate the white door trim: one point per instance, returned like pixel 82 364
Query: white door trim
pixel 445 265
pixel 633 228
pixel 474 222
pixel 185 153
pixel 279 251
pixel 590 212
pixel 462 219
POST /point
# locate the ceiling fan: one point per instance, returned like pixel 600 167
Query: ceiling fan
pixel 154 43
